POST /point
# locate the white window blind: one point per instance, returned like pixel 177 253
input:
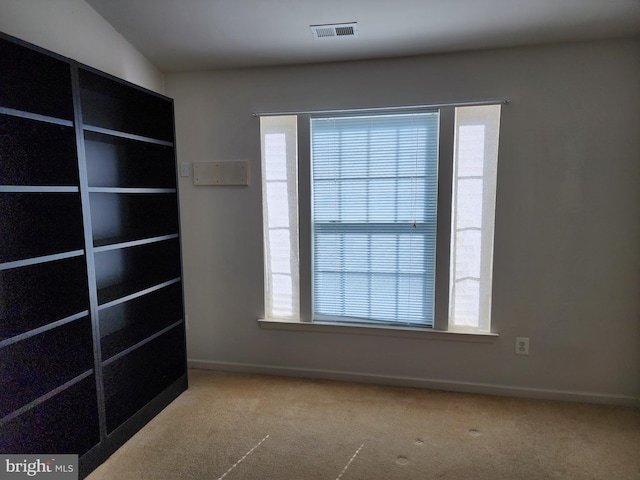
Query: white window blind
pixel 374 181
pixel 473 212
pixel 280 216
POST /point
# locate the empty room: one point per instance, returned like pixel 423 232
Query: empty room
pixel 340 239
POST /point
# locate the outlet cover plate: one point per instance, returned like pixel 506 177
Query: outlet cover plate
pixel 522 346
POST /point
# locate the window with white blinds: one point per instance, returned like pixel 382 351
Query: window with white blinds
pixel 371 208
pixel 374 182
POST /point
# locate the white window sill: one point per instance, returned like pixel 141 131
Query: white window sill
pixel 378 330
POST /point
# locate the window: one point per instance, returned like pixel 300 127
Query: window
pixel 374 181
pixel 280 214
pixel 475 169
pixel 381 189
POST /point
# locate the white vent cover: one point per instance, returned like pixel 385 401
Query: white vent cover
pixel 336 30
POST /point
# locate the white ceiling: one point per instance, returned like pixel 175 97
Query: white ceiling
pixel 183 35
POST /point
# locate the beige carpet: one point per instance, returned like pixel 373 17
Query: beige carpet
pixel 236 426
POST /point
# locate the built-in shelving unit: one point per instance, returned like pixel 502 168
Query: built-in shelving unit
pixel 91 319
pixel 46 340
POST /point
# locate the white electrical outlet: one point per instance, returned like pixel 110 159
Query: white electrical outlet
pixel 522 346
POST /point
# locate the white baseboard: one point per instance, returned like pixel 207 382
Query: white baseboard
pixel 447 385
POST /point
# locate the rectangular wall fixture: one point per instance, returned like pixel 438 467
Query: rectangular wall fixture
pixel 221 173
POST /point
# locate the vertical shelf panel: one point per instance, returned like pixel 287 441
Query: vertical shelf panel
pixel 34 366
pixel 135 379
pixel 128 323
pixel 39 224
pixel 33 296
pixel 66 423
pixel 23 161
pixel 35 82
pixel 117 162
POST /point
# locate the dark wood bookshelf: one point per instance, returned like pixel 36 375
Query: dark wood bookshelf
pixel 92 341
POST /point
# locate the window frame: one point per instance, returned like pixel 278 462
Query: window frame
pixel 441 328
pixel 443 221
pixel 391 228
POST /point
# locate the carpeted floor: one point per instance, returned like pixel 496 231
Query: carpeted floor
pixel 235 426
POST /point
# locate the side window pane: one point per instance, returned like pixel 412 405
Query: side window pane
pixel 280 216
pixel 473 212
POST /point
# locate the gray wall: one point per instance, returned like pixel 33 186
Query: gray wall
pixel 567 247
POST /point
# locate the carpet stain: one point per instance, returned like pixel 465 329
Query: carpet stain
pixel 419 441
pixel 402 460
pixel 474 433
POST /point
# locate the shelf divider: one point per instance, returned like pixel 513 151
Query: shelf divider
pixel 134 243
pixel 35 116
pixel 9 341
pixel 139 293
pixel 130 190
pixel 37 189
pixel 44 397
pixel 129 136
pixel 141 343
pixel 43 259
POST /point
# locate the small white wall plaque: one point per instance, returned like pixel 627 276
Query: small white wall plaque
pixel 221 173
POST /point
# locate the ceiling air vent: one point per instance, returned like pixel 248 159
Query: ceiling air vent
pixel 336 30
